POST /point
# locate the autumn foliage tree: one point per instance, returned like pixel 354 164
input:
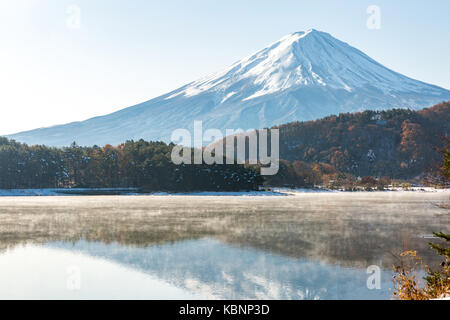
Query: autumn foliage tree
pixel 398 144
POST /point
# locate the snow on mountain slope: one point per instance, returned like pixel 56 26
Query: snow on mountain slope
pixel 303 76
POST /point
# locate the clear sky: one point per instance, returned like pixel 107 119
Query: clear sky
pixel 63 61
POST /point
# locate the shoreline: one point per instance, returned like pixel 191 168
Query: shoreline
pixel 55 192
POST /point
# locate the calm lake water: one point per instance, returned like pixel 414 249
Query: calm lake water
pixel 306 246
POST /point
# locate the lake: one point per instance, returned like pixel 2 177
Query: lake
pixel 303 246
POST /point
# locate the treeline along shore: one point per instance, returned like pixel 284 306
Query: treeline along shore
pixel 141 164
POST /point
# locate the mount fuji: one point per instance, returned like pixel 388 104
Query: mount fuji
pixel 303 76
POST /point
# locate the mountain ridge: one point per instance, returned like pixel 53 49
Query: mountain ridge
pixel 398 144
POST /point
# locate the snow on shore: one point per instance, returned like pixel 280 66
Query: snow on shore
pixel 62 192
pixel 107 191
pixel 229 194
pixel 133 191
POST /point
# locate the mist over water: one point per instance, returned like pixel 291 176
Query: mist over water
pixel 306 246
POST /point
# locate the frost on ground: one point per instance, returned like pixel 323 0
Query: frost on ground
pixel 63 192
pixel 131 191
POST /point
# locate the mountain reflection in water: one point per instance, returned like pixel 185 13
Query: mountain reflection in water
pixel 308 246
pixel 204 268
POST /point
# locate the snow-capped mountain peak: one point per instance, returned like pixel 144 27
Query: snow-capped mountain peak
pixel 303 76
pixel 301 59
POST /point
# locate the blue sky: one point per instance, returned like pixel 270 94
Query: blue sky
pixel 54 70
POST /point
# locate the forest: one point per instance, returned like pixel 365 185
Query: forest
pixel 398 144
pixel 141 164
